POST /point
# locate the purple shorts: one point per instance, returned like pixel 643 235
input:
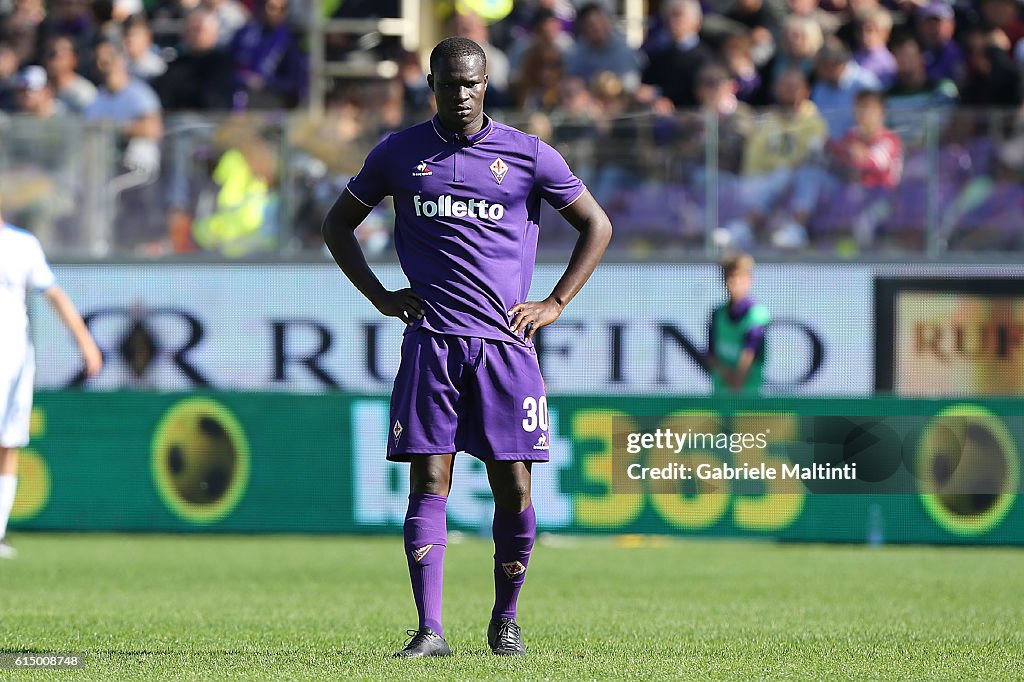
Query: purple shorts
pixel 464 394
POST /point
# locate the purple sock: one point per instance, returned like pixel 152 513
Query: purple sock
pixel 426 534
pixel 513 541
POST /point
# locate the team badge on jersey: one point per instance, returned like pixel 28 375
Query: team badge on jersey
pixel 513 568
pixel 396 431
pixel 421 170
pixel 499 168
pixel 418 554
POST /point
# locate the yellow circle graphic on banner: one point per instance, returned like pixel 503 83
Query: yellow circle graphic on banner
pixel 33 486
pixel 200 460
pixel 968 468
pixel 488 10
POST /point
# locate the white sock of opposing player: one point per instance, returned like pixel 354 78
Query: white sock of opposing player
pixel 8 486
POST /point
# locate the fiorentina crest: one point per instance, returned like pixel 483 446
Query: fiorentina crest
pixel 499 168
pixel 513 568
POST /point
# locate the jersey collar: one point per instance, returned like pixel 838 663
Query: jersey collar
pixel 459 139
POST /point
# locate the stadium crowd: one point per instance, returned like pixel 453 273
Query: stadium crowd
pixel 208 55
pixel 828 123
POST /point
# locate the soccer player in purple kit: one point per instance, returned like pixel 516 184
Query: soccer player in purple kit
pixel 467 194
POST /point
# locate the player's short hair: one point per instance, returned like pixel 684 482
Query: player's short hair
pixel 454 48
pixel 736 262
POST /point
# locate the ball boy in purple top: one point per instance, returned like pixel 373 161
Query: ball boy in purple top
pixel 467 194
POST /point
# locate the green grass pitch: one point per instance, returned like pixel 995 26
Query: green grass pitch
pixel 329 608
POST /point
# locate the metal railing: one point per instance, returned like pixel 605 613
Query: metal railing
pixel 258 185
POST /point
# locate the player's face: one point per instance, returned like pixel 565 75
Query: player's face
pixel 459 86
pixel 738 284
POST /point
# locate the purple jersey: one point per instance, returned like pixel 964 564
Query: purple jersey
pixel 467 210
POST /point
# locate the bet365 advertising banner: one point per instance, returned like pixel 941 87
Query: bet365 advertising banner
pixel 926 471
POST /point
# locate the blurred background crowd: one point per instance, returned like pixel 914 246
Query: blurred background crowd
pixel 164 127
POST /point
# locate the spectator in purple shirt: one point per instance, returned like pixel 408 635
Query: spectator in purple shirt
pixel 873 55
pixel 943 58
pixel 849 29
pixel 737 54
pixel 271 67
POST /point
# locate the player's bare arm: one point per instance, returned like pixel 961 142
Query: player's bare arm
pixel 590 220
pixel 339 234
pixel 71 318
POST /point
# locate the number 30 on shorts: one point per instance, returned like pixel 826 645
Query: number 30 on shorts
pixel 536 413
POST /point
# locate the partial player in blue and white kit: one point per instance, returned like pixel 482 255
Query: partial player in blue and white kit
pixel 467 192
pixel 23 266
